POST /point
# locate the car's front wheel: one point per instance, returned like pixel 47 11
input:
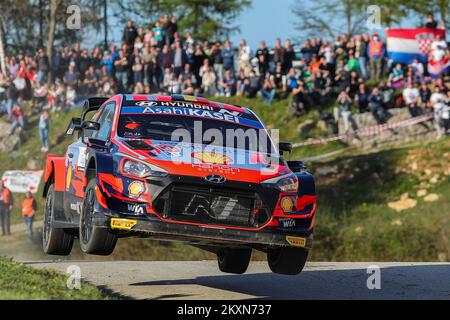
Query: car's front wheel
pixel 234 260
pixel 287 260
pixel 54 241
pixel 93 239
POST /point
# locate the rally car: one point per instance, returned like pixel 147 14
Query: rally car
pixel 158 167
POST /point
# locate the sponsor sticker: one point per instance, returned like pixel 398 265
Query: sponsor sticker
pixel 287 223
pixel 211 157
pixel 122 224
pixel 287 204
pixel 296 241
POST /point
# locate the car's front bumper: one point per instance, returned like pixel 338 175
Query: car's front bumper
pixel 204 235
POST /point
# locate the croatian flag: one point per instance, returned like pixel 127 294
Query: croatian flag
pixel 403 45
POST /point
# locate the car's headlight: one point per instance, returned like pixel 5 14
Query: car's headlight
pixel 286 183
pixel 142 170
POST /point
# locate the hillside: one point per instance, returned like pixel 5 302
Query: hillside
pixel 357 189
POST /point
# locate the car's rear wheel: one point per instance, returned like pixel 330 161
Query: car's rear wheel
pixel 54 241
pixel 93 239
pixel 234 260
pixel 287 260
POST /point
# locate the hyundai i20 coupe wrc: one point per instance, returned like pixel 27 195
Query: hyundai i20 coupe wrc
pixel 133 172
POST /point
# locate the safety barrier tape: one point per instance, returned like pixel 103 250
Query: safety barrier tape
pixel 366 132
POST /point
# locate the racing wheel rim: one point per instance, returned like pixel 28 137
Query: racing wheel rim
pixel 88 208
pixel 48 218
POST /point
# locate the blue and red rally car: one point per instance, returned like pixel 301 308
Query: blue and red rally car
pixel 158 167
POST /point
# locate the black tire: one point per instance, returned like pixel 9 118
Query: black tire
pixel 287 260
pixel 93 239
pixel 234 260
pixel 54 241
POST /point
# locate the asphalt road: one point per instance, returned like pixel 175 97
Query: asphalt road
pixel 203 280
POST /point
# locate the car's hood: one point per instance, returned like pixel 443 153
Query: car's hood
pixel 202 160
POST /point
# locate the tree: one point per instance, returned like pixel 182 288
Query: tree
pixel 206 19
pixel 324 16
pixel 28 22
pixel 440 8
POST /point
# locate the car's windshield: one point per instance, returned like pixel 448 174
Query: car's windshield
pixel 194 130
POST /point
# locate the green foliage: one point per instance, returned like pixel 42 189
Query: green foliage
pixel 207 19
pixel 355 223
pixel 25 23
pixel 20 282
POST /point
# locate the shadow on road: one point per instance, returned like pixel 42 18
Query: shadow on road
pixel 400 282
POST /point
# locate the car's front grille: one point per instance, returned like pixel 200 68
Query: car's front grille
pixel 213 206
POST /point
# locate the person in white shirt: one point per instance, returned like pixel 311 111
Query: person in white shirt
pixel 441 112
pixel 438 48
pixel 244 51
pixel 411 97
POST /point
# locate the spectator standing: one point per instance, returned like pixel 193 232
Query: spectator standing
pixel 228 56
pixel 278 54
pixel 44 127
pixel 6 204
pixel 217 60
pixel 376 52
pixel 361 55
pixel 122 66
pixel 42 65
pixel 29 207
pixel 441 112
pixel 129 34
pixel 289 55
pixel 263 52
pixel 179 59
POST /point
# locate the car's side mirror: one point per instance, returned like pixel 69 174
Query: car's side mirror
pixel 90 125
pixel 285 146
pixel 74 125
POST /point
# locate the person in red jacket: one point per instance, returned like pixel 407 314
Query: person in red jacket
pixel 29 207
pixel 6 203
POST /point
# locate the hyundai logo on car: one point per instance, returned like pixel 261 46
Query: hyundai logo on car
pixel 214 178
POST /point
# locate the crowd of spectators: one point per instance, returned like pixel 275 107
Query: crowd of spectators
pixel 158 58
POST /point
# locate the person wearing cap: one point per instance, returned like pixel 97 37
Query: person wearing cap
pixel 6 204
pixel 376 52
pixel 29 207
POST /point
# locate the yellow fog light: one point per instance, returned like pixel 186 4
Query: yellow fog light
pixel 123 224
pixel 136 188
pixel 287 204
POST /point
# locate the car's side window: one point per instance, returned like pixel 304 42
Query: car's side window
pixel 106 118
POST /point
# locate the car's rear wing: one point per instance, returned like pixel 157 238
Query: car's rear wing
pixel 93 104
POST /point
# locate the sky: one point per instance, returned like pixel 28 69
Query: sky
pixel 266 20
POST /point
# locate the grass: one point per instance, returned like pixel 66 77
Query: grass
pixel 355 222
pixel 21 282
